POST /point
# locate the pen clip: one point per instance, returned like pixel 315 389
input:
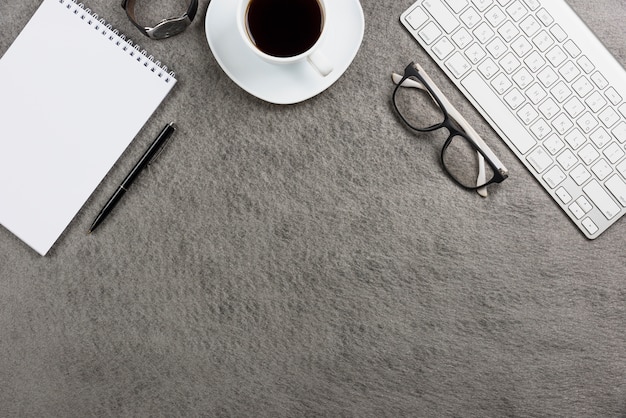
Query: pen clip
pixel 167 140
pixel 154 157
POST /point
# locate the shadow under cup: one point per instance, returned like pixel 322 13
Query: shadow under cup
pixel 284 29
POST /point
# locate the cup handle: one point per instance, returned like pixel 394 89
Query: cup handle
pixel 320 63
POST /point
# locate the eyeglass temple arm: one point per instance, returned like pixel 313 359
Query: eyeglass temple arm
pixel 482 175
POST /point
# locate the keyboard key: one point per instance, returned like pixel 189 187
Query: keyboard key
pixel 509 63
pixel 514 98
pixel 527 113
pixel 619 132
pixel 530 26
pixel 613 153
pixel 491 104
pixel 562 123
pixel 587 122
pixel 621 167
pixel 516 10
pixel 609 117
pixel 613 96
pixel 576 210
pixel 600 137
pixel 495 16
pixel 532 4
pixel 586 65
pixel 458 65
pixel 488 68
pixel 416 18
pixel 521 46
pixel 580 174
pixel 496 48
pixel 574 107
pixel 590 226
pixel 430 33
pixel 475 53
pixel 545 17
pixel 582 86
pixel 588 154
pixel 602 169
pixel 556 56
pixel 543 41
pixel 483 33
pixel 443 48
pixel 540 128
pixel 617 187
pixel 560 91
pixel 523 78
pixel 569 71
pixel 599 80
pixel 501 83
pixel 457 5
pixel 462 38
pixel 549 108
pixel 441 14
pixel 534 61
pixel 539 159
pixel 508 31
pixel 584 204
pixel 571 48
pixel 547 76
pixel 558 33
pixel 575 139
pixel 567 159
pixel 595 101
pixel 482 5
pixel 554 177
pixel 470 17
pixel 553 144
pixel 602 199
pixel 563 195
pixel 536 93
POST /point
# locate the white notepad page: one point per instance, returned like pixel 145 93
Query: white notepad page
pixel 73 95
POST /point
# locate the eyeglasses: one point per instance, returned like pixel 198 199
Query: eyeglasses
pixel 423 107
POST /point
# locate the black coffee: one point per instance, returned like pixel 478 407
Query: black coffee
pixel 284 28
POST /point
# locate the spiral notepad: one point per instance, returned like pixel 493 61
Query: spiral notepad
pixel 73 95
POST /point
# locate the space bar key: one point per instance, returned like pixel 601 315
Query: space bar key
pixel 497 112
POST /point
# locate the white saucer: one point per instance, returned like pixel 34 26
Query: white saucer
pixel 289 83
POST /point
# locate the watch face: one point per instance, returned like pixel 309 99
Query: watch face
pixel 168 28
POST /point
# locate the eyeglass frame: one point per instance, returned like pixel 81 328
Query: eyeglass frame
pixel 450 117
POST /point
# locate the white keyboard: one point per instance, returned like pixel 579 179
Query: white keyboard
pixel 547 85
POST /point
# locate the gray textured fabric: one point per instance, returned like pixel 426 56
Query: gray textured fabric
pixel 313 260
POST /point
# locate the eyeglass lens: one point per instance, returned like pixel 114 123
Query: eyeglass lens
pixel 417 107
pixel 461 160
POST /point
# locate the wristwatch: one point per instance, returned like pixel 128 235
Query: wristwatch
pixel 166 27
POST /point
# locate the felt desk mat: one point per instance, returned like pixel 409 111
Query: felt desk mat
pixel 312 260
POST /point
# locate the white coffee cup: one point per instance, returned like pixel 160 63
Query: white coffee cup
pixel 312 54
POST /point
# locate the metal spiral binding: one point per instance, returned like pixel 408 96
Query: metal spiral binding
pixel 113 35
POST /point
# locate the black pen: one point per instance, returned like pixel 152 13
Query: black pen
pixel 144 161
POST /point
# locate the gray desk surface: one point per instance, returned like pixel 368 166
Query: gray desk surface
pixel 313 260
